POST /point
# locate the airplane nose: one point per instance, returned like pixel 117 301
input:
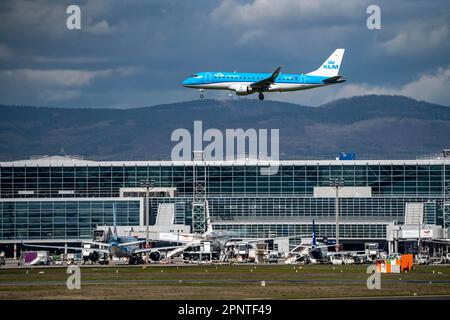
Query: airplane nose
pixel 186 82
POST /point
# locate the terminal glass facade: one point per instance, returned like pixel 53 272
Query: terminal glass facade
pixel 240 197
pixel 420 180
pixel 55 219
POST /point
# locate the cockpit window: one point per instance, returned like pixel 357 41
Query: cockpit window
pixel 195 76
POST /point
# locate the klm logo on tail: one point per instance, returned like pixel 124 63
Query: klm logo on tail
pixel 331 65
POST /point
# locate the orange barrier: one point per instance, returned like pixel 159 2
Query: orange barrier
pixel 405 263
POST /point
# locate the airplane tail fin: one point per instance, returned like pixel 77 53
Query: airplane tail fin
pixel 114 221
pixel 330 67
pixel 109 235
pixel 209 228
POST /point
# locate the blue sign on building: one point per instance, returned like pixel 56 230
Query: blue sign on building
pixel 347 156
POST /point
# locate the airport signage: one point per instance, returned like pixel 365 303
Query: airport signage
pixel 424 233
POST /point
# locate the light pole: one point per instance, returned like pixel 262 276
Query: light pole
pixel 337 184
pixel 148 185
pixel 418 241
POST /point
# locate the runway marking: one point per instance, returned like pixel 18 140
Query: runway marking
pixel 213 281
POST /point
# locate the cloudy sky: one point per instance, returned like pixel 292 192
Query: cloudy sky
pixel 136 53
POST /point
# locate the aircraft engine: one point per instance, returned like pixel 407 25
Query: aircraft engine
pixel 243 90
pixel 94 256
pixel 155 255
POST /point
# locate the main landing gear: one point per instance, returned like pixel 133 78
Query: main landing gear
pixel 136 260
pixel 261 96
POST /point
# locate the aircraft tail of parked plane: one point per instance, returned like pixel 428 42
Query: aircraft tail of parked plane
pixel 314 239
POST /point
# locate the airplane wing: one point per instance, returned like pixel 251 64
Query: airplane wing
pixel 262 84
pixel 124 244
pixel 322 247
pixel 100 244
pixel 69 248
pixel 261 239
pixel 155 249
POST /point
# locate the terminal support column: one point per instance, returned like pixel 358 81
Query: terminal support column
pixel 337 184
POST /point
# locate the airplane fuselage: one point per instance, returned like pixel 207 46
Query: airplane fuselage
pixel 236 80
pixel 122 251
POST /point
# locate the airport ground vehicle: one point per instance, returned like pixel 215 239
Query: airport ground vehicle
pixel 437 259
pixel 337 259
pixel 34 258
pixel 395 256
pixel 55 259
pixel 103 259
pixel 423 259
pixel 273 257
pixel 361 259
pixel 74 258
pixel 349 260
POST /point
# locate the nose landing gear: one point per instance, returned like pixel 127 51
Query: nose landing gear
pixel 261 96
pixel 202 95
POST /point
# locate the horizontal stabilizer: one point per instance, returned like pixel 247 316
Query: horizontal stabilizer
pixel 336 79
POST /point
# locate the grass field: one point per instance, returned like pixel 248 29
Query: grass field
pixel 220 282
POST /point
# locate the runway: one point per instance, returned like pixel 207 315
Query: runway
pixel 241 281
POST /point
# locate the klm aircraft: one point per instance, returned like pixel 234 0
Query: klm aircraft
pixel 247 83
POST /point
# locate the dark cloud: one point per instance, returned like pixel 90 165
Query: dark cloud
pixel 136 53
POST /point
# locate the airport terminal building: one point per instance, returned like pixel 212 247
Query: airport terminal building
pixel 63 199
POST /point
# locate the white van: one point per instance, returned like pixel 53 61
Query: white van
pixel 337 259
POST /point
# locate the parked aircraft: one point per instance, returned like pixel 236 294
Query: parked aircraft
pixel 315 251
pixel 116 246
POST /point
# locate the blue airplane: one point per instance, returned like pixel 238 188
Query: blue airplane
pixel 247 83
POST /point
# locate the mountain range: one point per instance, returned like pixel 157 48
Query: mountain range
pixel 372 126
